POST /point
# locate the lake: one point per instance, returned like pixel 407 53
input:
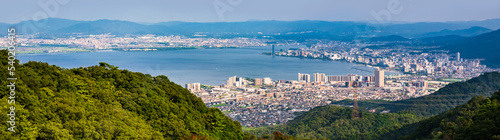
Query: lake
pixel 205 66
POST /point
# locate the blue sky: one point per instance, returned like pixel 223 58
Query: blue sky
pixel 151 11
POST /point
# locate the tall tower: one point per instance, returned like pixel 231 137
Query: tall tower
pixel 458 56
pixel 379 78
pixel 273 51
pixel 355 111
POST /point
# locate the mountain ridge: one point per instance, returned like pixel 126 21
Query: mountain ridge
pixel 267 27
pixel 472 31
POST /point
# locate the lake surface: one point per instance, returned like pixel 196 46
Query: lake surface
pixel 205 66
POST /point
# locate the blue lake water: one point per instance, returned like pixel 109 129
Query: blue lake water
pixel 205 66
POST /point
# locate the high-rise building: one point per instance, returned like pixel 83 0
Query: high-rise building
pixel 231 81
pixel 334 78
pixel 319 77
pixel 193 87
pixel 353 77
pixel 379 78
pixel 345 78
pixel 258 81
pixel 420 84
pixel 458 56
pixel 234 81
pixel 267 81
pixel 304 78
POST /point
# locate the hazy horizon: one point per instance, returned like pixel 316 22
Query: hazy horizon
pixel 244 10
pixel 250 20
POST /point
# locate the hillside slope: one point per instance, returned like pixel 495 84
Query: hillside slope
pixel 344 30
pixel 336 123
pixel 477 119
pixel 473 31
pixel 104 102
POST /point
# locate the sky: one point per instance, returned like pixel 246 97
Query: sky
pixel 153 11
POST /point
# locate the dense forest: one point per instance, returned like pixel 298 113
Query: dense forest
pixel 442 100
pixel 477 119
pixel 104 102
pixel 334 122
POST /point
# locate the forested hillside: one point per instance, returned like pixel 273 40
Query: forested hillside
pixel 478 119
pixel 104 102
pixel 337 123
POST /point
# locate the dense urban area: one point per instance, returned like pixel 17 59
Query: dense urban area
pixel 85 43
pixel 262 101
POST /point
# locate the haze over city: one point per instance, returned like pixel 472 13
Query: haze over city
pixel 244 10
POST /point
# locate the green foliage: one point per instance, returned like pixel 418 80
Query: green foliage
pixel 333 122
pixel 477 119
pixel 103 102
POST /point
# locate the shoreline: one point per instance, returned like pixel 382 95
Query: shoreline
pixel 151 68
pixel 129 50
pixel 338 60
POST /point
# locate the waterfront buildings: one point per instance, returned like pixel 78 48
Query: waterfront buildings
pixel 332 78
pixel 304 78
pixel 193 87
pixel 234 81
pixel 267 81
pixel 258 82
pixel 319 77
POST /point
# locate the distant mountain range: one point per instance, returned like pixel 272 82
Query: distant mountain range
pixel 473 39
pixel 473 31
pixel 341 30
pixel 440 40
pixel 485 46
